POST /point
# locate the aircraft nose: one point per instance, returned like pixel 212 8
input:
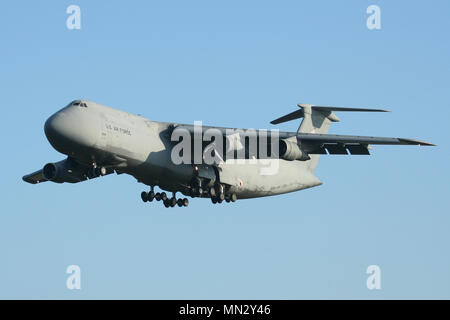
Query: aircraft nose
pixel 57 130
pixel 64 132
pixel 53 128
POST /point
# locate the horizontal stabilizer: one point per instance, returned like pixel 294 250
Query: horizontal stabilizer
pixel 348 109
pixel 297 114
pixel 324 109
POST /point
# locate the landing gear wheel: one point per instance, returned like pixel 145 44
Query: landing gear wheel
pixel 91 174
pixel 214 200
pixel 200 191
pixel 185 202
pixel 227 199
pixel 233 197
pixel 100 171
pixel 219 200
pixel 221 197
pixel 212 191
pixel 158 196
pixel 166 203
pixel 180 202
pixel 151 196
pixel 163 196
pixel 173 202
pixel 144 196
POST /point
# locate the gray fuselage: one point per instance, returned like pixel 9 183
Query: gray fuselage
pixel 128 143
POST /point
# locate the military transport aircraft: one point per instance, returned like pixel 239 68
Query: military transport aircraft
pixel 228 164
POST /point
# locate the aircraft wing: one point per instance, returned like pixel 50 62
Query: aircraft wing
pixel 339 144
pixel 314 143
pixel 335 138
pixel 67 170
pixel 35 177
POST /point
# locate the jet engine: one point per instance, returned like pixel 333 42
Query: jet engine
pixel 290 150
pixel 62 171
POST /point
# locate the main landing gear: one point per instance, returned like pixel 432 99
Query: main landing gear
pixel 162 196
pixel 218 194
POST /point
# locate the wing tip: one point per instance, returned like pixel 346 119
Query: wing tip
pixel 428 144
pixel 417 142
pixel 29 180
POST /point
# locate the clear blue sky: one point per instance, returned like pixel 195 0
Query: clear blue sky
pixel 240 64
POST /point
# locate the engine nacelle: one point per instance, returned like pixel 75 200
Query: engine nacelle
pixel 62 171
pixel 289 150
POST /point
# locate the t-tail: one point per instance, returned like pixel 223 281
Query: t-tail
pixel 313 138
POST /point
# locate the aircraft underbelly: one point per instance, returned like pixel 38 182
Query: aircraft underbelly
pixel 260 179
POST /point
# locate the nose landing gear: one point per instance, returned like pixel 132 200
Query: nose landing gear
pixel 94 172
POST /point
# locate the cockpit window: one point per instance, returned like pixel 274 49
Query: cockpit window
pixel 79 103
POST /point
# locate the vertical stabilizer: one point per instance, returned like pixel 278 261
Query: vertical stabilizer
pixel 315 121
